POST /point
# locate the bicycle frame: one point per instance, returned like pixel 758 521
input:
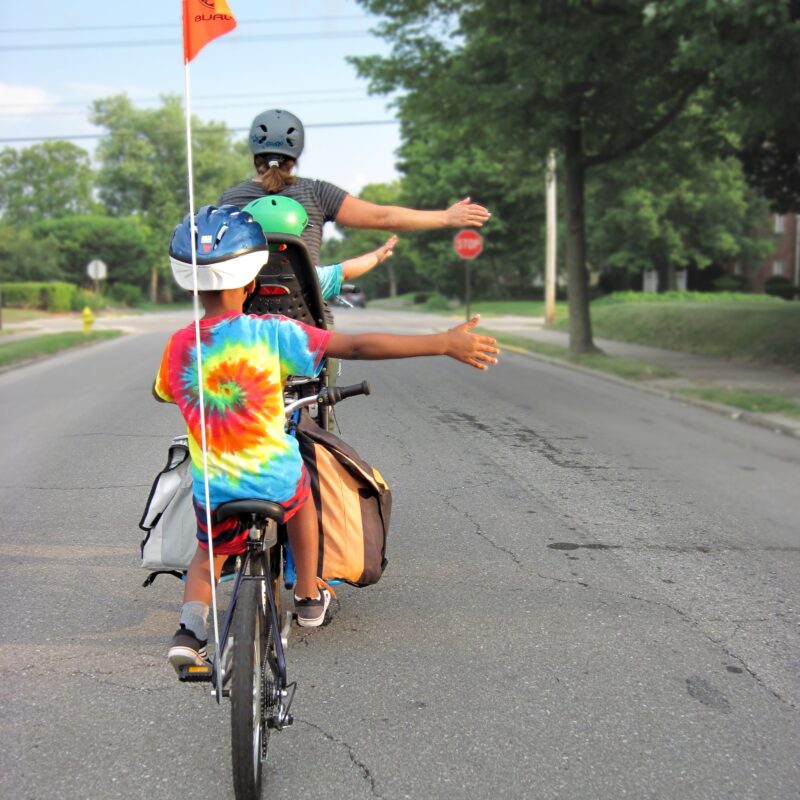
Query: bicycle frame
pixel 267 553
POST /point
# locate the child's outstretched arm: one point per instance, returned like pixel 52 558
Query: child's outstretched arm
pixel 354 267
pixel 458 343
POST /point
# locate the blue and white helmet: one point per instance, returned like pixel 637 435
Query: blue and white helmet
pixel 230 247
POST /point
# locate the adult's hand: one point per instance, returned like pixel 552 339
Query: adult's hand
pixel 466 214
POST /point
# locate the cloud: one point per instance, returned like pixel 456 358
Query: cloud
pixel 19 102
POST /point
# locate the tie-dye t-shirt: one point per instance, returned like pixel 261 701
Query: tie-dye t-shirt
pixel 245 359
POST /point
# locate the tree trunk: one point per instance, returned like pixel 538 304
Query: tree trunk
pixel 154 285
pixel 668 280
pixel 580 324
pixel 392 275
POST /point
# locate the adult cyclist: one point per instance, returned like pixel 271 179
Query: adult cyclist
pixel 276 141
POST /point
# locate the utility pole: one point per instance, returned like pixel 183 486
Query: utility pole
pixel 550 245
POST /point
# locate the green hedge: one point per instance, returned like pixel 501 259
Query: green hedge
pixel 47 296
pixel 682 297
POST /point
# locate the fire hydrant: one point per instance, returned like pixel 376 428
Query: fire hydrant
pixel 88 319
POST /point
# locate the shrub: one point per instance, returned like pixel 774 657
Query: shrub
pixel 126 294
pixel 437 302
pixel 21 295
pixel 421 297
pixel 45 295
pixel 729 283
pixel 781 286
pixel 683 297
pixel 83 298
pixel 57 296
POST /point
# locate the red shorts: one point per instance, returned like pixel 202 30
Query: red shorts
pixel 230 535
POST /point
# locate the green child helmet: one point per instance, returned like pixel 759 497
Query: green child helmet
pixel 278 214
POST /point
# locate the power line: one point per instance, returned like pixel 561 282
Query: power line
pixel 74 137
pixel 287 39
pixel 226 96
pixel 273 21
pixel 215 107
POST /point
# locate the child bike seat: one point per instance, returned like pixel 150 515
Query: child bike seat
pixel 288 284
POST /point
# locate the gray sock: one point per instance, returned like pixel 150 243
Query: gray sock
pixel 194 616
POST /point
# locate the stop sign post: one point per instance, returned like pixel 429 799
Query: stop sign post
pixel 97 271
pixel 468 245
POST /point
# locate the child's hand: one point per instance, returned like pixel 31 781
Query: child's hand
pixel 386 250
pixel 477 351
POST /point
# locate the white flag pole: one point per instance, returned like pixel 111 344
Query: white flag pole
pixel 196 299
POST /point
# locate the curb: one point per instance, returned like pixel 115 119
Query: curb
pixel 736 414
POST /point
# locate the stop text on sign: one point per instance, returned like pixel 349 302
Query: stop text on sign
pixel 468 244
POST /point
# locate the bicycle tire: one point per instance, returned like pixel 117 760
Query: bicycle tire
pixel 251 630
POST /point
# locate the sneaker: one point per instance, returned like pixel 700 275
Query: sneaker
pixel 311 611
pixel 186 649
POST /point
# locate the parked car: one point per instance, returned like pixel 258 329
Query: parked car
pixel 352 295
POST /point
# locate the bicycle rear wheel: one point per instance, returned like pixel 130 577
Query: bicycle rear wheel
pixel 252 689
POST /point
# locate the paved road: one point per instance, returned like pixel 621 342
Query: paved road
pixel 592 593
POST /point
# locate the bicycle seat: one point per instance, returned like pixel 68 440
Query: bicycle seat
pixel 288 283
pixel 262 508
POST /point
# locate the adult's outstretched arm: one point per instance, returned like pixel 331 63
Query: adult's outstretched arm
pixel 357 213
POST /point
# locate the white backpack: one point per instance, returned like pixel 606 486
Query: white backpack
pixel 169 518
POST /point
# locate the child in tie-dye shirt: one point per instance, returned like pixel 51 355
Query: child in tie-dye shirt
pixel 245 360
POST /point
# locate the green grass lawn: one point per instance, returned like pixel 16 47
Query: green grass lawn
pixel 613 365
pixel 756 332
pixel 488 308
pixel 748 400
pixel 38 346
pixel 517 308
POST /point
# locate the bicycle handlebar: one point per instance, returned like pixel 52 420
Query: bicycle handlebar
pixel 328 396
pixel 337 393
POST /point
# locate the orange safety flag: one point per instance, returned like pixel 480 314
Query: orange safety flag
pixel 203 21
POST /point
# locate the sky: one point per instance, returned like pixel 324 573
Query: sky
pixel 56 57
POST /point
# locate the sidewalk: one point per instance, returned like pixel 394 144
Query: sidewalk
pixel 693 371
pixel 58 323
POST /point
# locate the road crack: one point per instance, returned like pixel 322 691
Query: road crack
pixel 365 771
pixel 696 624
pixel 482 534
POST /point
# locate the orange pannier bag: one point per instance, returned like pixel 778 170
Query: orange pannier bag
pixel 354 504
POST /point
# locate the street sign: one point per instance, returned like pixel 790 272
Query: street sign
pixel 468 244
pixel 96 270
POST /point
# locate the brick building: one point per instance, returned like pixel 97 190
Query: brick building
pixel 785 259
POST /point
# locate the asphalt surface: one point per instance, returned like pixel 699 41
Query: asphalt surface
pixel 592 592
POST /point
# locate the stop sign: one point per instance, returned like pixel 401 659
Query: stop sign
pixel 468 244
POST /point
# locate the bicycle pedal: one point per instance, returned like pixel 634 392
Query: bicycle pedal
pixel 192 673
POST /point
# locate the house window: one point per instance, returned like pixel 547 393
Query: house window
pixel 779 223
pixel 777 267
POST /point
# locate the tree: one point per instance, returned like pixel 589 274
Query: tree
pixel 398 271
pixel 27 257
pixel 671 206
pixel 143 163
pixel 595 79
pixel 750 50
pixel 124 244
pixel 436 174
pixel 44 181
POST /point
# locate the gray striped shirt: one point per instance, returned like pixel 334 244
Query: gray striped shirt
pixel 320 199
